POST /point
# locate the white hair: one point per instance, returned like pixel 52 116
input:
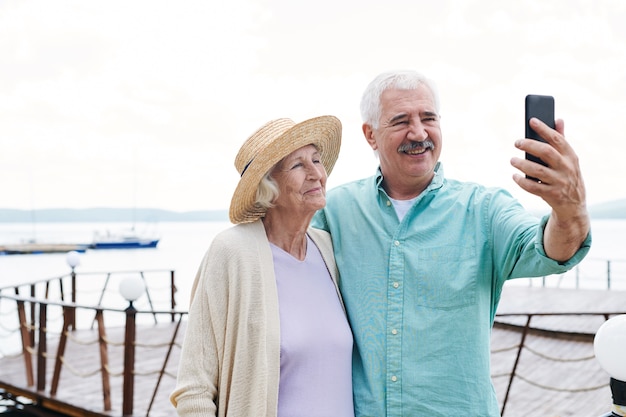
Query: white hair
pixel 400 80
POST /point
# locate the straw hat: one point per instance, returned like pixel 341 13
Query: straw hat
pixel 271 143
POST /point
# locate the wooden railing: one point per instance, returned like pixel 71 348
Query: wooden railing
pixel 35 301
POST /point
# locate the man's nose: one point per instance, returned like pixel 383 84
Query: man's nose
pixel 417 131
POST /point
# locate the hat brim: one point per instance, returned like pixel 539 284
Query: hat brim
pixel 324 132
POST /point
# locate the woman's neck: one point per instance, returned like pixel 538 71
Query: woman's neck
pixel 287 233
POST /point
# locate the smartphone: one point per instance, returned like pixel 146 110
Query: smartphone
pixel 541 107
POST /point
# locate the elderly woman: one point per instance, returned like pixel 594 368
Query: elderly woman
pixel 267 333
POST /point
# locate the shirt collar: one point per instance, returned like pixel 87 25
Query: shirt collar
pixel 437 181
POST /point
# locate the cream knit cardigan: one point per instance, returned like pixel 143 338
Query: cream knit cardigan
pixel 230 360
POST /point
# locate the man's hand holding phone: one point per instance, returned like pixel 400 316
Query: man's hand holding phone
pixel 559 183
pixel 558 180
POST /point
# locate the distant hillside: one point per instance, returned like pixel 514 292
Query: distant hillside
pixel 144 215
pixel 610 210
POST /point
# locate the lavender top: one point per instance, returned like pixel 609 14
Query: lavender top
pixel 315 339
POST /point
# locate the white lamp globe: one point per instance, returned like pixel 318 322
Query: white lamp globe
pixel 73 259
pixel 609 344
pixel 131 288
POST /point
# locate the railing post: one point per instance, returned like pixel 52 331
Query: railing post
pixel 68 315
pixel 514 370
pixel 33 314
pixel 167 358
pixel 41 351
pixel 608 274
pixel 104 288
pixel 143 279
pixel 26 344
pixel 104 361
pixel 173 294
pixel 73 319
pixel 61 292
pixel 129 361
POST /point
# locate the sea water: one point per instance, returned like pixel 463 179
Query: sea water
pixel 181 248
pixel 183 245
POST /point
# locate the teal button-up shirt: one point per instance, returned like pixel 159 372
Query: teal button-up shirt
pixel 421 294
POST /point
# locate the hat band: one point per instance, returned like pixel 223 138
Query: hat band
pixel 246 167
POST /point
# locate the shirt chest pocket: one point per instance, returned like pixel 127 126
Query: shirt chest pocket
pixel 446 277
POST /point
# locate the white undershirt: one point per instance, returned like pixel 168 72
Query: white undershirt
pixel 402 206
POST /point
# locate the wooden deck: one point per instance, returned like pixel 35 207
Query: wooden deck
pixel 556 374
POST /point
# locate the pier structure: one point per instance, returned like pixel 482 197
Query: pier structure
pixel 74 346
pixel 32 248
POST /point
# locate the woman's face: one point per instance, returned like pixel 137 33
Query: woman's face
pixel 301 179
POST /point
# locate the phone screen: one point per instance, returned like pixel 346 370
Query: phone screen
pixel 541 107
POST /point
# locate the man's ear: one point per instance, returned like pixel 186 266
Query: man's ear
pixel 368 132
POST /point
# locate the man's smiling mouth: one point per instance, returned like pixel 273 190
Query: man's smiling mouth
pixel 417 148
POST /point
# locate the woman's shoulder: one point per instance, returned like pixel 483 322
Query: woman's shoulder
pixel 239 237
pixel 322 239
pixel 319 235
pixel 240 232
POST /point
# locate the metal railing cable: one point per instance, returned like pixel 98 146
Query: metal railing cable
pixel 524 345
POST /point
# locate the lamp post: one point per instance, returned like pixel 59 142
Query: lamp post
pixel 73 260
pixel 608 346
pixel 131 289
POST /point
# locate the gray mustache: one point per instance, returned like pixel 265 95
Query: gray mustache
pixel 425 144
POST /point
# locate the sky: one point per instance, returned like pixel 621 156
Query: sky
pixel 145 103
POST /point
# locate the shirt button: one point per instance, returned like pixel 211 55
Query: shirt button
pixel 394 331
pixel 396 285
pixel 394 378
pixel 388 203
pixel 397 243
